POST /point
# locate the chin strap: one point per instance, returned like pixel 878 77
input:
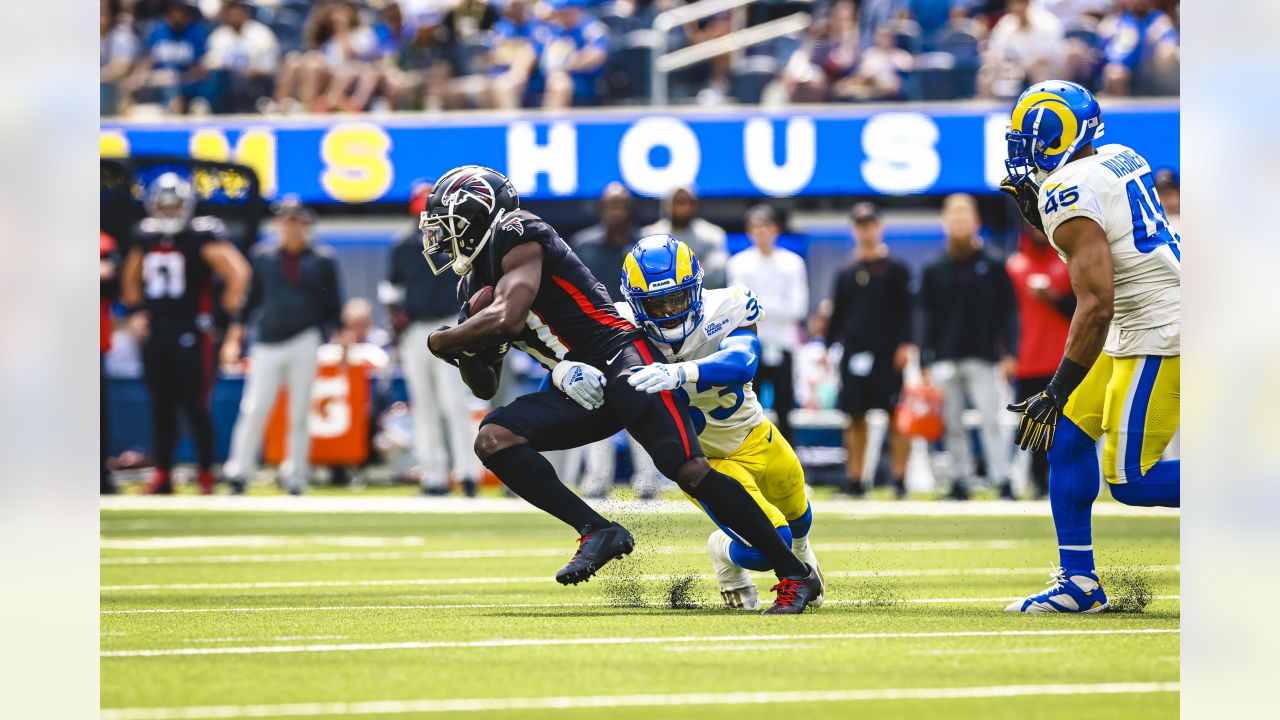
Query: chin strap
pixel 462 265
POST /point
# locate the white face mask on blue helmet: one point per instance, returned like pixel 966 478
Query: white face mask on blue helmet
pixel 662 282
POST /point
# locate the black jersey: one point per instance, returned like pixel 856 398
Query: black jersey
pixel 177 283
pixel 572 317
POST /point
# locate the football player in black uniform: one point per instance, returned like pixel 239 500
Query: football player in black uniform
pixel 168 275
pixel 548 304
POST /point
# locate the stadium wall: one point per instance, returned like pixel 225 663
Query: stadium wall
pixel 800 151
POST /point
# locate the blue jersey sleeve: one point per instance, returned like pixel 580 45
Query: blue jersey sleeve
pixel 735 362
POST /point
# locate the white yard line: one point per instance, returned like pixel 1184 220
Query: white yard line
pixel 602 603
pixel 539 642
pixel 188 542
pixel 253 558
pixel 570 702
pixel 405 582
pixel 451 506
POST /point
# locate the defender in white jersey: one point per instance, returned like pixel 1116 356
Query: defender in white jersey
pixel 1119 377
pixel 710 348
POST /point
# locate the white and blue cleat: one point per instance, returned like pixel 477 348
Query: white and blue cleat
pixel 1070 591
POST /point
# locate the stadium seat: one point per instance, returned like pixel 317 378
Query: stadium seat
pixel 627 70
pixel 1084 35
pixel 287 25
pixel 907 36
pixel 617 23
pixel 751 76
pixel 933 77
pixel 963 48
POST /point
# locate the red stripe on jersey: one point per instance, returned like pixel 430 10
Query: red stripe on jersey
pixel 666 398
pixel 592 311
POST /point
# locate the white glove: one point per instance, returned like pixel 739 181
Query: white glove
pixel 581 382
pixel 659 376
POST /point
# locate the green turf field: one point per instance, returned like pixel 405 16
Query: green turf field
pixel 371 614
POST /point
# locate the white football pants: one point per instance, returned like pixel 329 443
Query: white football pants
pixel 444 435
pixel 980 382
pixel 291 363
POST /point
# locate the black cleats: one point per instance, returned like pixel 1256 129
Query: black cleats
pixel 794 595
pixel 594 550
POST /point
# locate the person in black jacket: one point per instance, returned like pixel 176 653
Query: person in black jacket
pixel 871 320
pixel 969 345
pixel 294 298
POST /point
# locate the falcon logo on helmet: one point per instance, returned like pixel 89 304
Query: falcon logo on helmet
pixel 466 207
pixel 469 184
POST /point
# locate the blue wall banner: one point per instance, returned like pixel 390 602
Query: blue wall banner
pixel 842 150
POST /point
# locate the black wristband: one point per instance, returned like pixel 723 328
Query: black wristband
pixel 1065 381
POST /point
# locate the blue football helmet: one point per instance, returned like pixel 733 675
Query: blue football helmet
pixel 662 281
pixel 1050 122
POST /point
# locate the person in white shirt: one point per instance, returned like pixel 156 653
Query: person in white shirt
pixel 779 278
pixel 249 53
pixel 1027 45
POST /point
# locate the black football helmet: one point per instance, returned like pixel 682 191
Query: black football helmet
pixel 465 207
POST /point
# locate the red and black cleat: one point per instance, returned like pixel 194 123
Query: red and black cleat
pixel 205 480
pixel 795 594
pixel 161 484
pixel 594 550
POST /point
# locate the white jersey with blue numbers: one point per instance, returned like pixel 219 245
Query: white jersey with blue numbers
pixel 722 415
pixel 1116 189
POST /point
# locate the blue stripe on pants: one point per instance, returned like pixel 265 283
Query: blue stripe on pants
pixel 1137 426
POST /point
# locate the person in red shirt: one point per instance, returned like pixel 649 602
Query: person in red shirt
pixel 1045 304
pixel 109 284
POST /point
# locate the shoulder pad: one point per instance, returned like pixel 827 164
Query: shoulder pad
pixel 147 226
pixel 729 309
pixel 209 225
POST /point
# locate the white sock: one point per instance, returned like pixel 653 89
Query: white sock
pixel 800 545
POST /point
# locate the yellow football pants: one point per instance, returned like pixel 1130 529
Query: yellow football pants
pixel 1136 403
pixel 767 466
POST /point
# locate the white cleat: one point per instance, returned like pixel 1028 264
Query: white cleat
pixel 736 586
pixel 744 598
pixel 802 550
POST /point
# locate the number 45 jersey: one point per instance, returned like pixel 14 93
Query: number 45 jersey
pixel 1116 189
pixel 723 416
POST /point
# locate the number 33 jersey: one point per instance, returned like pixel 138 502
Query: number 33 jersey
pixel 1116 189
pixel 723 416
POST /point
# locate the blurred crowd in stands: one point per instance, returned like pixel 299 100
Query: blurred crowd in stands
pixel 318 56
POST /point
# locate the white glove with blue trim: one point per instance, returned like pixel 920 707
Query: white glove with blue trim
pixel 583 383
pixel 659 377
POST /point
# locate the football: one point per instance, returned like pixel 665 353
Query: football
pixel 482 299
